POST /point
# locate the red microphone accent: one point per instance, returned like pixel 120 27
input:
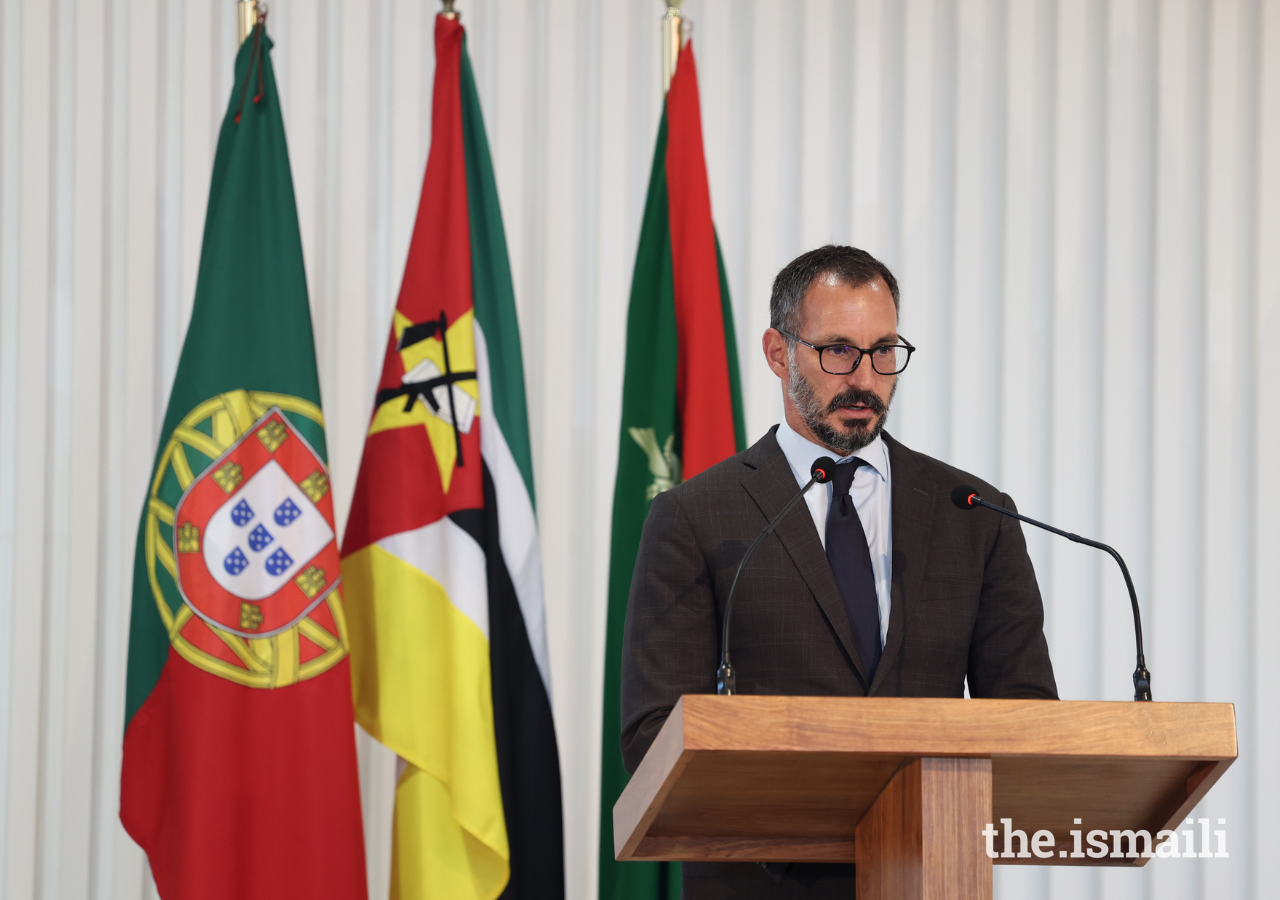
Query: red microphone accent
pixel 821 469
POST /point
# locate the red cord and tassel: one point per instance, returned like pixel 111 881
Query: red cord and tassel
pixel 255 60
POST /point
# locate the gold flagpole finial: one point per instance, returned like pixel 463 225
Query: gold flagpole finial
pixel 247 13
pixel 671 28
pixel 448 11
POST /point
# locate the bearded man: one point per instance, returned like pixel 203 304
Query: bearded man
pixel 879 586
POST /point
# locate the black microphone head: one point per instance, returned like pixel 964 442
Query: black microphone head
pixel 822 469
pixel 962 495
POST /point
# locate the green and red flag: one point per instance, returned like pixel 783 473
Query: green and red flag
pixel 681 407
pixel 444 579
pixel 239 774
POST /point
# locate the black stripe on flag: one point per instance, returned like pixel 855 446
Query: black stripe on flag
pixel 528 760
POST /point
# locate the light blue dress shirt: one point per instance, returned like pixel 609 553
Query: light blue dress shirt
pixel 872 494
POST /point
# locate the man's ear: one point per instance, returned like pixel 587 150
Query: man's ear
pixel 775 351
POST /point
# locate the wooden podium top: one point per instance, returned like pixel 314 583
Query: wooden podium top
pixel 789 778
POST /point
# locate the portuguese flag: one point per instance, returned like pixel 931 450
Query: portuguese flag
pixel 239 775
pixel 681 407
pixel 443 574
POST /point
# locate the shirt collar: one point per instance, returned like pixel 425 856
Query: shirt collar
pixel 801 452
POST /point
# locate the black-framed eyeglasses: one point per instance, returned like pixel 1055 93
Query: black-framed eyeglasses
pixel 841 359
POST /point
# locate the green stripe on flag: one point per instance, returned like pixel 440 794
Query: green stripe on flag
pixel 491 286
pixel 648 404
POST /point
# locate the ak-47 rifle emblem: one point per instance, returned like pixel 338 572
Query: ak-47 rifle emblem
pixel 425 382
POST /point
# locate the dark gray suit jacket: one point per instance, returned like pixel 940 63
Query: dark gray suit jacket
pixel 964 603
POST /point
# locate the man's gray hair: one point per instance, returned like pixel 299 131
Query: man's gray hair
pixel 849 265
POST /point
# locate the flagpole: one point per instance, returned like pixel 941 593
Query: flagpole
pixel 671 27
pixel 448 11
pixel 247 13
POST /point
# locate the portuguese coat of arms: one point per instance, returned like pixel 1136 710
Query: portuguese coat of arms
pixel 255 551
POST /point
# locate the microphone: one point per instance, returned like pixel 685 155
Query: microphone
pixel 967 497
pixel 823 468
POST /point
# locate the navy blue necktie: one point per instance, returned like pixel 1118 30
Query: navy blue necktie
pixel 851 564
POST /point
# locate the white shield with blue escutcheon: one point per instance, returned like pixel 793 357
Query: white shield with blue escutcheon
pixel 263 535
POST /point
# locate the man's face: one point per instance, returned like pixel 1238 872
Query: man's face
pixel 843 413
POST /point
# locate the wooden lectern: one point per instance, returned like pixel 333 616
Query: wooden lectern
pixel 905 786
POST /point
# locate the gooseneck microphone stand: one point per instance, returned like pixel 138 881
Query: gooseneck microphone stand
pixel 820 473
pixel 967 497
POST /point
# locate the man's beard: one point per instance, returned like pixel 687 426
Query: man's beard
pixel 857 433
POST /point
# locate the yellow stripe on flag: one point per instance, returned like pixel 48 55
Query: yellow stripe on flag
pixel 420 671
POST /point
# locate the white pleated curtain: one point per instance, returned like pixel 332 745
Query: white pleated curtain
pixel 1080 198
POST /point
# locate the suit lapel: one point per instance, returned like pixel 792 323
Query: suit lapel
pixel 912 509
pixel 771 485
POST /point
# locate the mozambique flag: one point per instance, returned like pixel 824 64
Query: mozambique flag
pixel 444 581
pixel 681 407
pixel 239 775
